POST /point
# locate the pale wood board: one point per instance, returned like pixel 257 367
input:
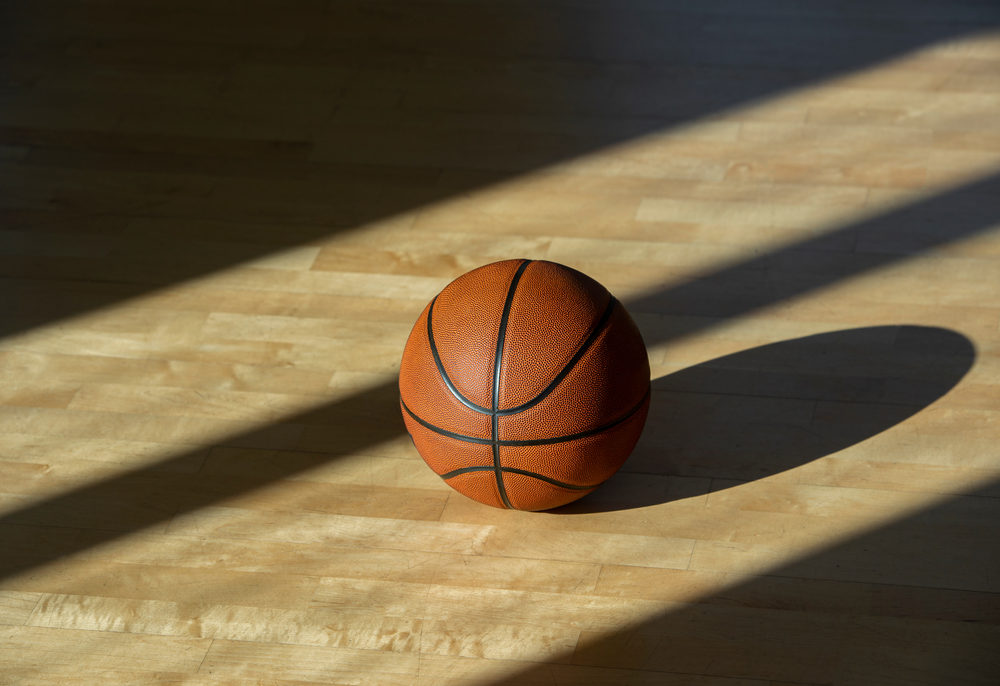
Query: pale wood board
pixel 219 221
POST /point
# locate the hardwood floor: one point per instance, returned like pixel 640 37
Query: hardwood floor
pixel 219 221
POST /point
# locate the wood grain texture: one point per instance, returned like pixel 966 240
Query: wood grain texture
pixel 218 222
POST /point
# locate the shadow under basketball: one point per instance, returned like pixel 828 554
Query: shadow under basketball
pixel 775 407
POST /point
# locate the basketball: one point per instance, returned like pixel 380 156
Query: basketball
pixel 524 384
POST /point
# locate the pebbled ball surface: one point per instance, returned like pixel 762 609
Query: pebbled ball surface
pixel 559 414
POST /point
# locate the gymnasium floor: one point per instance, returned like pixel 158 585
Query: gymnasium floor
pixel 219 220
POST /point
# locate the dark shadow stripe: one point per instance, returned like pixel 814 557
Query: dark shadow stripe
pixel 501 339
pixel 534 441
pixel 440 366
pixel 598 328
pixel 523 472
pixel 110 497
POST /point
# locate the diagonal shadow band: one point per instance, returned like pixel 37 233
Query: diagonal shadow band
pixel 163 153
pixel 151 495
pixel 154 494
pixel 775 407
pixel 912 601
pixel 826 259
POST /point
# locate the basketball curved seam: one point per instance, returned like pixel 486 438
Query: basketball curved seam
pixel 441 370
pixel 568 367
pixel 533 441
pixel 494 419
pixel 515 470
pixel 444 432
pixel 494 412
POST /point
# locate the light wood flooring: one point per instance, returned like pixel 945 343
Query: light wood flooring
pixel 219 220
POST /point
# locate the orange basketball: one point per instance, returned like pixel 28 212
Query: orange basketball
pixel 524 384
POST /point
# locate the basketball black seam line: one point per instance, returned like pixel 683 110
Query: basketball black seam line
pixel 494 413
pixel 494 419
pixel 444 432
pixel 515 470
pixel 440 366
pixel 534 441
pixel 567 368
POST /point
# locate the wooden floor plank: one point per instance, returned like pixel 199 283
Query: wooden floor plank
pixel 220 221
